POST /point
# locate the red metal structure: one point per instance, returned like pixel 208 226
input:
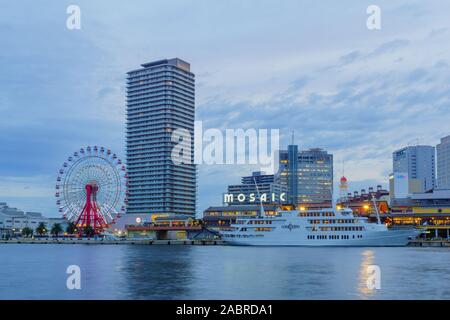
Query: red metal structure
pixel 90 189
pixel 90 215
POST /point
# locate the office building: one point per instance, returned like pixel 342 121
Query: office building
pixel 417 165
pixel 315 176
pixel 160 100
pixel 287 176
pixel 443 163
pixel 307 175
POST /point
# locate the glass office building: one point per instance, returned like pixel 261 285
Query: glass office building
pixel 307 175
pixel 315 176
pixel 160 99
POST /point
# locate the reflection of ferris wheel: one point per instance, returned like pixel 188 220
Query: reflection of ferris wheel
pixel 90 188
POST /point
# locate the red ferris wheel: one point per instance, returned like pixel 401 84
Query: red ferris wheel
pixel 90 188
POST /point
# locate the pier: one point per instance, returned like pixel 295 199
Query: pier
pixel 113 242
pixel 430 243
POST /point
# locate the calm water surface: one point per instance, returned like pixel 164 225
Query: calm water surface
pixel 216 272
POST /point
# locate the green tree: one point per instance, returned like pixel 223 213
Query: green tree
pixel 71 228
pixel 27 232
pixel 56 229
pixel 88 231
pixel 41 230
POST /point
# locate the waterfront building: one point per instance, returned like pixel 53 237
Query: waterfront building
pixel 429 210
pixel 216 218
pixel 443 163
pixel 247 191
pixel 166 227
pixel 160 100
pixel 307 175
pixel 13 220
pixel 416 164
pixel 362 202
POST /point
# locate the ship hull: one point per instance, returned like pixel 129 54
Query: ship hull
pixel 390 238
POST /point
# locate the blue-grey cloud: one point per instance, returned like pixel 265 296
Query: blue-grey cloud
pixel 294 66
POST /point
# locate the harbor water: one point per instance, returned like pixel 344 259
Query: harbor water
pixel 33 271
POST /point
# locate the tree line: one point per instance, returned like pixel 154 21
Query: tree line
pixel 57 229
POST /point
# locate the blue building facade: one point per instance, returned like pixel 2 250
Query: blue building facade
pixel 418 162
pixel 160 100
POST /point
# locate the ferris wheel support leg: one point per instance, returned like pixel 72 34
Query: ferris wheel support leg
pixel 81 219
pixel 95 217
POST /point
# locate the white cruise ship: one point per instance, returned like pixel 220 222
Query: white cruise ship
pixel 325 227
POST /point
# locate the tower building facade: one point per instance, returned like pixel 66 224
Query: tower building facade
pixel 443 163
pixel 160 99
pixel 417 163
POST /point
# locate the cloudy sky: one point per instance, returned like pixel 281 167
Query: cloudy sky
pixel 308 66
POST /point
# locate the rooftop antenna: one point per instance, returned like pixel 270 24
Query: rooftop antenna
pixel 292 137
pixel 261 208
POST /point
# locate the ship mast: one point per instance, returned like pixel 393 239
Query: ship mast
pixel 376 209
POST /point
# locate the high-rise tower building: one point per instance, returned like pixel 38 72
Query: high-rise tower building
pixel 287 175
pixel 443 163
pixel 417 163
pixel 160 100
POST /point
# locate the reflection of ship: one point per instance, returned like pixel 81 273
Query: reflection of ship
pixel 325 227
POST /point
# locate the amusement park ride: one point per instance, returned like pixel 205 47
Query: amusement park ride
pixel 90 188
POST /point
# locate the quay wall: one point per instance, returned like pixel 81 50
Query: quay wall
pixel 112 242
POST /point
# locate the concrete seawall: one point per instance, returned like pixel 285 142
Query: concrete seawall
pixel 112 242
pixel 429 243
pixel 414 243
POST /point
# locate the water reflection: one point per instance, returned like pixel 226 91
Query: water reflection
pixel 215 272
pixel 158 273
pixel 368 258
